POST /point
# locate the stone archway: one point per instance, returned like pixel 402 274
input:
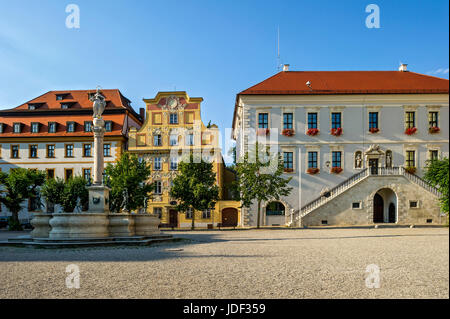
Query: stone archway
pixel 384 206
pixel 281 219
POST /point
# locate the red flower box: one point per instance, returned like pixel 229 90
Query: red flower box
pixel 288 170
pixel 262 131
pixel 411 169
pixel 336 131
pixel 374 130
pixel 434 129
pixel 336 170
pixel 312 131
pixel 410 131
pixel 313 170
pixel 288 132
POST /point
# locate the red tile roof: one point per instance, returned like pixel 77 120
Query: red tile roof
pixel 349 82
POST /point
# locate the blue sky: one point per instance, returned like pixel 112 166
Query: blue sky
pixel 211 48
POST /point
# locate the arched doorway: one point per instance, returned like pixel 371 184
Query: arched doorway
pixel 378 209
pixel 275 214
pixel 229 217
pixel 385 206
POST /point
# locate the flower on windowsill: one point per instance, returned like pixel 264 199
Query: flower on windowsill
pixel 313 170
pixel 336 170
pixel 336 131
pixel 374 130
pixel 312 131
pixel 288 132
pixel 434 129
pixel 410 130
pixel 410 169
pixel 262 131
pixel 288 170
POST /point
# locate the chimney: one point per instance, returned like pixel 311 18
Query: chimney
pixel 285 67
pixel 402 67
pixel 142 113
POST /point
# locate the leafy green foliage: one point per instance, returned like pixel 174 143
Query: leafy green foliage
pixel 129 174
pixel 66 194
pixel 253 181
pixel 20 184
pixel 195 186
pixel 436 173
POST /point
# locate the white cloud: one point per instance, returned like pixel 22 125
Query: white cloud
pixel 439 71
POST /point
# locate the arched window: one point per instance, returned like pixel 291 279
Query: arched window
pixel 358 159
pixel 275 208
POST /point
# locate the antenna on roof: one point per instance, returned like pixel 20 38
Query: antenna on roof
pixel 278 50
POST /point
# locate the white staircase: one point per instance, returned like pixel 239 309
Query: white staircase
pixel 355 179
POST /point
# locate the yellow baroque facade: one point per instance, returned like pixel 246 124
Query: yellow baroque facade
pixel 173 128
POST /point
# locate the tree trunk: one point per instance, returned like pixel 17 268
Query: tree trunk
pixel 259 215
pixel 193 220
pixel 14 223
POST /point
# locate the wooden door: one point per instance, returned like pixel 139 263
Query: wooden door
pixel 373 164
pixel 173 218
pixel 229 217
pixel 392 213
pixel 378 209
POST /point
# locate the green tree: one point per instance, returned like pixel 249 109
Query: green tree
pixel 259 177
pixel 20 184
pixel 66 193
pixel 195 187
pixel 128 174
pixel 436 173
pixel 53 190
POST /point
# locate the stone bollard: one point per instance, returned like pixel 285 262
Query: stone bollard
pixel 40 222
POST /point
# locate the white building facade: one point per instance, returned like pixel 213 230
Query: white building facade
pixel 336 131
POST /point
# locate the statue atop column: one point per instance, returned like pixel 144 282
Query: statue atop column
pixel 99 104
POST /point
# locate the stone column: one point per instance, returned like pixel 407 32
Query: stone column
pixel 99 132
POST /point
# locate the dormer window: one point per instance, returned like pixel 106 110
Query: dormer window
pixel 32 106
pixel 60 97
pixel 108 126
pixel 34 127
pixel 64 106
pixel 52 127
pixel 70 127
pixel 17 127
pixel 1 127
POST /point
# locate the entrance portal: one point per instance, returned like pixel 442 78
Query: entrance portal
pixel 229 217
pixel 373 164
pixel 173 218
pixel 378 216
pixel 385 206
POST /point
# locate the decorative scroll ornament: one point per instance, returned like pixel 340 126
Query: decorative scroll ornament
pixel 374 149
pixel 172 103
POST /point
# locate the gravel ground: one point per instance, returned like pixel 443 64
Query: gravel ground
pixel 308 263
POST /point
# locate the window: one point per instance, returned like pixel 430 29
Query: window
pixel 410 120
pixel 69 150
pixel 52 127
pixel 34 127
pixel 157 140
pixel 288 119
pixel 263 120
pixel 33 151
pixel 336 120
pixel 14 151
pixel 312 159
pixel 173 163
pixel 87 150
pixel 106 150
pixel 108 126
pixel 88 126
pixel 60 97
pixel 356 205
pixel 68 173
pixel 189 213
pixel 157 164
pixel 173 118
pixel 288 160
pixel 157 211
pixel 32 106
pixel 70 127
pixel 158 187
pixel 87 174
pixel 433 118
pixel 312 120
pixel 17 127
pixel 373 120
pixel 413 204
pixel 434 155
pixel 410 159
pixel 64 106
pixel 173 140
pixel 190 140
pixel 50 173
pixel 336 159
pixel 1 127
pixel 206 213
